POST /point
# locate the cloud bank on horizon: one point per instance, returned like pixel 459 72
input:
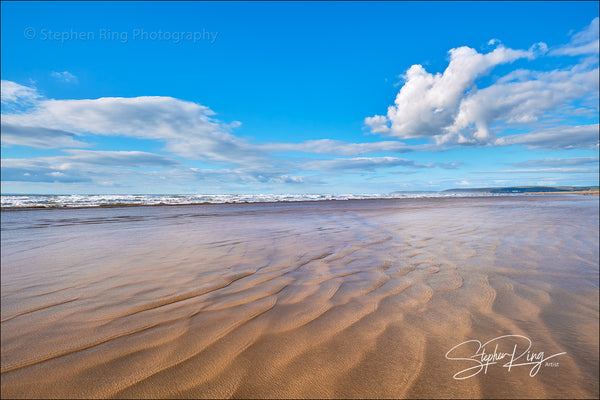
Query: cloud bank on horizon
pixel 467 106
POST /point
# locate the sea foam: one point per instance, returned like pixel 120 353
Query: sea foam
pixel 104 200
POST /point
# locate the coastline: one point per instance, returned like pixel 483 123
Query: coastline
pixel 264 201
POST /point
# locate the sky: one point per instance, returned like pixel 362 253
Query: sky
pixel 298 98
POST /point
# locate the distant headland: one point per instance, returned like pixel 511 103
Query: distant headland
pixel 593 190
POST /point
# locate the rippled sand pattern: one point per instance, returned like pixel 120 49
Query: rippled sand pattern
pixel 331 299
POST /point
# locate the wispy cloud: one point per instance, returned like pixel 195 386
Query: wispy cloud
pixel 538 170
pixel 519 99
pixel 582 43
pixel 64 76
pixel 361 163
pixel 337 147
pixel 557 162
pixel 13 93
pixel 92 166
pixel 81 166
pixel 117 158
pixel 187 129
pixel 76 158
pixel 35 136
pixel 371 163
pixel 560 137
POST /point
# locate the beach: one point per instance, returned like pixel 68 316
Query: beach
pixel 317 299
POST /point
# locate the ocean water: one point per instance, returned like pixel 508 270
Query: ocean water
pixel 104 200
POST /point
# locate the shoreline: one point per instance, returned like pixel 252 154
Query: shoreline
pixel 133 205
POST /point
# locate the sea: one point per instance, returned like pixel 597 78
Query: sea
pixel 115 200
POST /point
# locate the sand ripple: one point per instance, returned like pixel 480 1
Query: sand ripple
pixel 339 299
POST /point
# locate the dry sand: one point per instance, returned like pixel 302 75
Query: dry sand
pixel 339 299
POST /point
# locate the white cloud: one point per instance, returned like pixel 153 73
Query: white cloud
pixel 93 167
pixel 118 158
pixel 369 163
pixel 360 163
pixel 34 136
pixel 187 129
pixel 450 109
pixel 378 124
pixel 84 166
pixel 94 158
pixel 554 162
pixel 42 169
pixel 64 76
pixel 538 170
pixel 582 43
pixel 428 103
pixel 337 147
pixel 560 137
pixel 522 97
pixel 12 92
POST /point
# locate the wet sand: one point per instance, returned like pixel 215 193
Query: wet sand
pixel 334 299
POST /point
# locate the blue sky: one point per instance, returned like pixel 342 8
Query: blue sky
pixel 297 97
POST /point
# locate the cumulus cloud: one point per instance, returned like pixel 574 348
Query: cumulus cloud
pixel 450 109
pixel 428 103
pixel 378 124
